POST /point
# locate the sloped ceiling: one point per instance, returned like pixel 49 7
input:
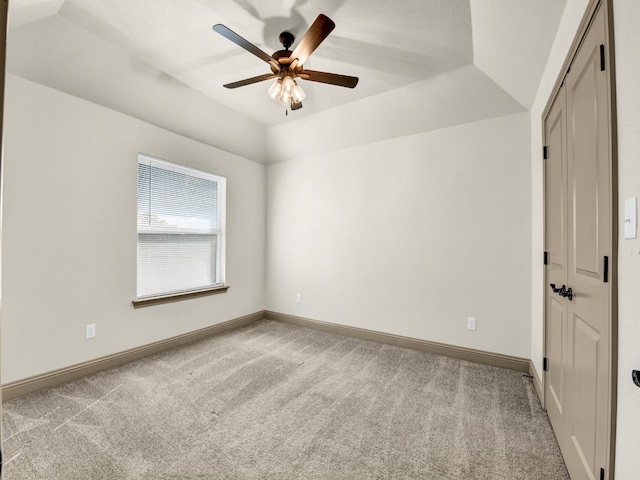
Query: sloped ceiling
pixel 159 60
pixel 512 40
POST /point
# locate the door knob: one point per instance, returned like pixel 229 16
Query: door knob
pixel 566 292
pixel 563 291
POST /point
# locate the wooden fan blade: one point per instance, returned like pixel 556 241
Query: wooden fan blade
pixel 248 46
pixel 330 78
pixel 318 31
pixel 249 81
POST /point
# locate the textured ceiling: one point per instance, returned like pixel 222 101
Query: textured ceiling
pixel 123 53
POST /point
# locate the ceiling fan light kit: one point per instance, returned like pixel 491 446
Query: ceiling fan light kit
pixel 286 91
pixel 286 65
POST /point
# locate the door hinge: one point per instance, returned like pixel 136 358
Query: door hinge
pixel 546 258
pixel 545 364
pixel 602 65
pixel 602 474
pixel 605 273
pixel 545 152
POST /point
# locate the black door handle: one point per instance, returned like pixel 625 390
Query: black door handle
pixel 563 291
pixel 566 293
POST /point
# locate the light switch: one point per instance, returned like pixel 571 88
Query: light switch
pixel 630 218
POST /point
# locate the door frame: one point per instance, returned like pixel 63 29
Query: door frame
pixel 585 23
pixel 4 9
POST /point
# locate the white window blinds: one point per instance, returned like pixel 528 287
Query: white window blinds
pixel 180 228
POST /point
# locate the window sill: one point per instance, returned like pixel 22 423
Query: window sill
pixel 175 297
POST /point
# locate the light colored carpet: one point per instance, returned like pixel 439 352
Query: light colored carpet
pixel 273 400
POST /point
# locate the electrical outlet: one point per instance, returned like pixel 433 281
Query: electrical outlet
pixel 90 331
pixel 471 323
pixel 298 298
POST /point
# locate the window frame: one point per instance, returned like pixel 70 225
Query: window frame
pixel 219 285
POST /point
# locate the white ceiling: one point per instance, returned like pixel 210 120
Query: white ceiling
pixel 155 57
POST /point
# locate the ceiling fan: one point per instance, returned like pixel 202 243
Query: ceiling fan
pixel 286 65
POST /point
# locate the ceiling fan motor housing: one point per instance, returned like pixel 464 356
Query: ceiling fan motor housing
pixel 280 56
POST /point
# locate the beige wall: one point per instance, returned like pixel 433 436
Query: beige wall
pixel 69 232
pixel 410 235
pixel 627 38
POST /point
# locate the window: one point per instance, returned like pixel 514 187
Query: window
pixel 181 220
